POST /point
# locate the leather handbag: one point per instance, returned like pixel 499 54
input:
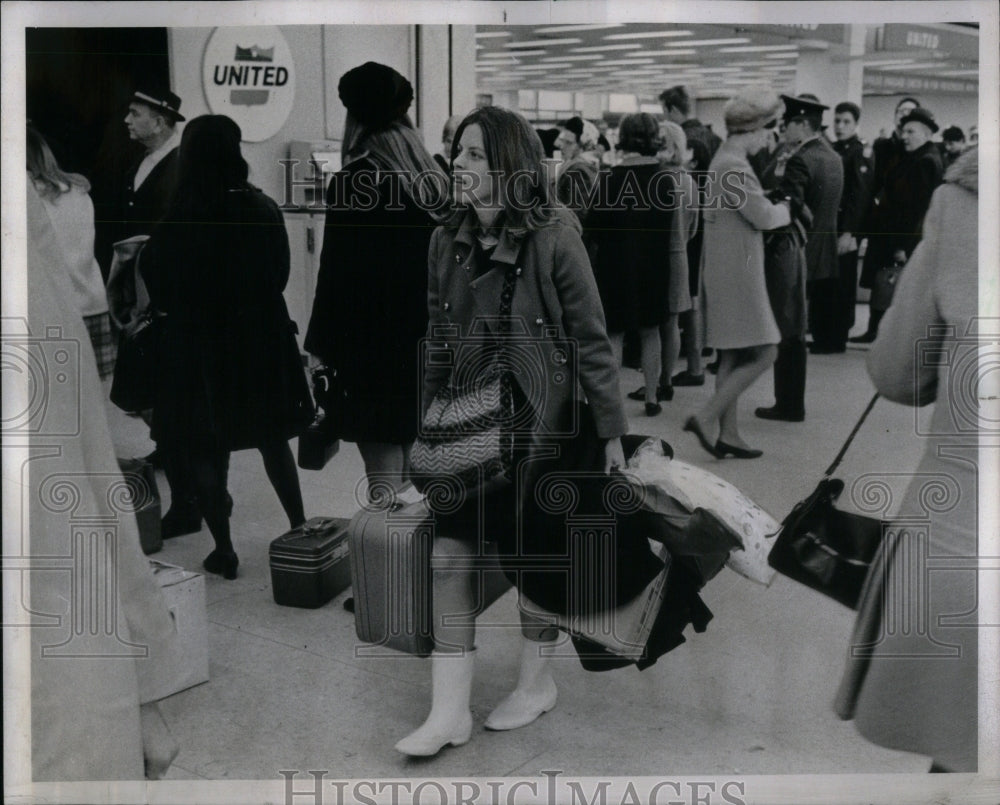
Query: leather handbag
pixel 320 440
pixel 824 548
pixel 466 434
pixel 134 384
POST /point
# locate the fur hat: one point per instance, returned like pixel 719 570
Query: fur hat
pixel 752 109
pixel 375 94
pixel 586 132
pixel 920 115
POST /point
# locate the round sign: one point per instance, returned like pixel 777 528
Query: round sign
pixel 249 75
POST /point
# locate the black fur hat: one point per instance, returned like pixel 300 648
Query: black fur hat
pixel 375 94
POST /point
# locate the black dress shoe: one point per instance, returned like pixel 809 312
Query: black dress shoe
pixel 349 604
pixel 652 409
pixel 827 349
pixel 685 378
pixel 663 393
pixel 639 394
pixel 724 449
pixel 222 563
pixel 692 426
pixel 866 338
pixel 780 415
pixel 713 367
pixel 180 521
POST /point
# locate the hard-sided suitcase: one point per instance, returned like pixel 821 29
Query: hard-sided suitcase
pixel 309 564
pixel 391 575
pixel 144 498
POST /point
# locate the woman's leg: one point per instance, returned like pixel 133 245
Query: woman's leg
pixel 670 345
pixel 279 464
pixel 736 374
pixel 385 466
pixel 209 471
pixel 650 346
pixel 453 659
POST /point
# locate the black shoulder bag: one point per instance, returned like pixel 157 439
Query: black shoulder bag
pixel 823 547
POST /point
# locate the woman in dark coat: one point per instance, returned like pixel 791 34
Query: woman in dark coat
pixel 370 310
pixel 229 374
pixel 639 248
pixel 531 255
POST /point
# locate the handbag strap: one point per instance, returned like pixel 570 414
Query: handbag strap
pixel 836 462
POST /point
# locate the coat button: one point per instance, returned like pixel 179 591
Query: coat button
pixel 539 321
pixel 517 272
pixel 447 306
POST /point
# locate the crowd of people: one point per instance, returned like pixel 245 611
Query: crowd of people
pixel 743 245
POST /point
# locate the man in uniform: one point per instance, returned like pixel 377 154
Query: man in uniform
pixel 813 177
pixel 152 118
pixel 153 115
pixel 858 161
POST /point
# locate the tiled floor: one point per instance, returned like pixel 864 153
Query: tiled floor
pixel 749 696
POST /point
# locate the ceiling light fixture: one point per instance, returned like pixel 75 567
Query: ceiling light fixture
pixel 491 34
pixel 601 48
pixel 650 35
pixel 758 48
pixel 531 43
pixel 568 29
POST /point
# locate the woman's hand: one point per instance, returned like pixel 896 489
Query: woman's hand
pixel 614 455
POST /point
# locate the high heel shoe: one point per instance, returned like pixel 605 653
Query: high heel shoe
pixel 222 563
pixel 691 426
pixel 723 449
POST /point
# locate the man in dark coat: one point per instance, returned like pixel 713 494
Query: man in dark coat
pixel 152 120
pixel 858 161
pixel 813 178
pixel 894 224
pixel 676 105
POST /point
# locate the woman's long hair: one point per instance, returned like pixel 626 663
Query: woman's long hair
pixel 399 149
pixel 512 147
pixel 49 179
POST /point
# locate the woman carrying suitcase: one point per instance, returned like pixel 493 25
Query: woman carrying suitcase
pixel 505 239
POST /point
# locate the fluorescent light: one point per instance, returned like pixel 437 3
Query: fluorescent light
pixel 567 29
pixel 706 42
pixel 888 61
pixel 924 65
pixel 959 72
pixel 573 58
pixel 629 61
pixel 758 48
pixel 530 43
pixel 600 48
pixel 486 68
pixel 690 52
pixel 720 70
pixel 502 54
pixel 791 55
pixel 490 34
pixel 652 35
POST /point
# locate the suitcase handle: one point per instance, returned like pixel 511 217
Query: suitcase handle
pixel 317 526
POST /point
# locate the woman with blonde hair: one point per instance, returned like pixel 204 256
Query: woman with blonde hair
pixel 370 309
pixel 739 322
pixel 66 199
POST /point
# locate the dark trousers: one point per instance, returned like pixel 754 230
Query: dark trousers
pixel 825 308
pixel 790 377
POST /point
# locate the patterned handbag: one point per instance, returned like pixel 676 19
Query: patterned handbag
pixel 467 433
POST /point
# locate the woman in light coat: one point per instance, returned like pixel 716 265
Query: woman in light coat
pixel 533 251
pixel 915 689
pixel 737 313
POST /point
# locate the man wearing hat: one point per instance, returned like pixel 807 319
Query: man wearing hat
pixel 952 145
pixel 814 177
pixel 898 210
pixel 153 114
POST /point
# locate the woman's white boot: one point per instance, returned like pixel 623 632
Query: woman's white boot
pixel 535 693
pixel 450 720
